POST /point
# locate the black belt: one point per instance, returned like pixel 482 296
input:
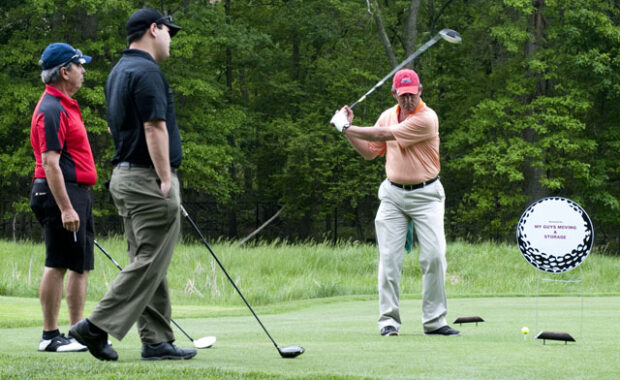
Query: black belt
pixel 416 186
pixel 126 164
pixel 43 180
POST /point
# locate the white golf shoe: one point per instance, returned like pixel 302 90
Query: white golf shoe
pixel 60 343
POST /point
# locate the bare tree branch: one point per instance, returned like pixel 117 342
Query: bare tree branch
pixel 261 227
pixel 381 31
pixel 438 15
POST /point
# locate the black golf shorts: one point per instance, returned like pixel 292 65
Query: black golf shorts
pixel 61 249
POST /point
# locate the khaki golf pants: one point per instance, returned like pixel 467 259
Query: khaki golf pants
pixel 426 207
pixel 152 224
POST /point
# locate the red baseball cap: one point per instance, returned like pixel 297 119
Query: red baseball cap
pixel 406 81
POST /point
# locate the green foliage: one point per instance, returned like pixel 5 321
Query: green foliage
pixel 541 117
pixel 527 107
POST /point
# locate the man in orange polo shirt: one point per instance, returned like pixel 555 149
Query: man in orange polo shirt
pixel 408 135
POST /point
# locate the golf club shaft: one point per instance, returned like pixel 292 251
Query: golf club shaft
pixel 413 56
pixel 204 241
pixel 148 306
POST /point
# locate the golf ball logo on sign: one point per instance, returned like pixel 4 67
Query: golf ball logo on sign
pixel 555 234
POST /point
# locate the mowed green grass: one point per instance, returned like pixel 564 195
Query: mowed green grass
pixel 342 341
pixel 323 297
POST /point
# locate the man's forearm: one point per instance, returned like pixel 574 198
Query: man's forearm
pixel 157 142
pixel 370 133
pixel 361 146
pixel 56 180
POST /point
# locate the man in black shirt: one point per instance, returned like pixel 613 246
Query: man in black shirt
pixel 145 189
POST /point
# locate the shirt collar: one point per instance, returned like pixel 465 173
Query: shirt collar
pixel 139 53
pixel 419 107
pixel 59 94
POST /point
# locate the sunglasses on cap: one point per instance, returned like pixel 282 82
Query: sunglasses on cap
pixel 78 54
pixel 167 20
pixel 164 20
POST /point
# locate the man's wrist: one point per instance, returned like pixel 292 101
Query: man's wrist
pixel 345 127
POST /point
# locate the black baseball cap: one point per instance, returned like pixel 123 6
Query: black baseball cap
pixel 143 18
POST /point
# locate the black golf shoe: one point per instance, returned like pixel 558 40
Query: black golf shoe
pixel 445 331
pixel 166 351
pixel 389 331
pixel 96 342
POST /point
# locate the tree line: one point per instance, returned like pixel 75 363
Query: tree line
pixel 527 106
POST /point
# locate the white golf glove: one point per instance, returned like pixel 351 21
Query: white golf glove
pixel 340 121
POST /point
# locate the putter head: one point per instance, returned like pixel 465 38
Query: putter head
pixel 451 36
pixel 291 351
pixel 205 342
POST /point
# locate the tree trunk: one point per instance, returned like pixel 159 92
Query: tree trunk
pixel 244 89
pixel 534 173
pixel 232 208
pixel 335 237
pixel 411 30
pixel 385 41
pixel 15 227
pixel 410 34
pixel 358 224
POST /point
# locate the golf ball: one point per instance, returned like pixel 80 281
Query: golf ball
pixel 525 330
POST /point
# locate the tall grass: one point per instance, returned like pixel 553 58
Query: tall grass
pixel 270 273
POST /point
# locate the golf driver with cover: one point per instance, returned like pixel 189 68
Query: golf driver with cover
pixel 449 35
pixel 285 352
pixel 204 342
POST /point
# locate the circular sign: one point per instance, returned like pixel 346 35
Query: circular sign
pixel 555 235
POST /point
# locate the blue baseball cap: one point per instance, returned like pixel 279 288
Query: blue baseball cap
pixel 58 53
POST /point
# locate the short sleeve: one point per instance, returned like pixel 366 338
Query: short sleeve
pixel 51 125
pixel 378 148
pixel 420 127
pixel 150 96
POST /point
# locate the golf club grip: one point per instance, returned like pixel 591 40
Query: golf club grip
pixel 120 268
pixel 204 241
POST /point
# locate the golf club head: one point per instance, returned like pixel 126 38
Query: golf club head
pixel 291 351
pixel 205 342
pixel 451 36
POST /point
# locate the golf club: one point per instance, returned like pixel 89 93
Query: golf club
pixel 285 352
pixel 204 342
pixel 449 35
